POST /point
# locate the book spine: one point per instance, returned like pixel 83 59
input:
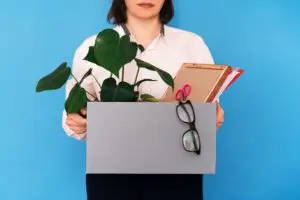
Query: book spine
pixel 219 84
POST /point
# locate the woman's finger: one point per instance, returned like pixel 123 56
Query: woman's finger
pixel 83 111
pixel 220 114
pixel 78 119
pixel 220 119
pixel 218 125
pixel 77 130
pixel 71 122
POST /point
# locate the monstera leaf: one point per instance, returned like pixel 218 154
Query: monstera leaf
pixel 77 99
pixel 90 56
pixel 112 52
pixel 167 78
pixel 136 96
pixel 55 79
pixel 108 89
pixel 148 97
pixel 123 92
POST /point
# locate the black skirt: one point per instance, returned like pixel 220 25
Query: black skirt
pixel 143 187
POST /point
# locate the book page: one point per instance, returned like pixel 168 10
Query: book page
pixel 228 80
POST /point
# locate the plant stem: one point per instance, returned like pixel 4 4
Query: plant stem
pixel 88 73
pixel 91 95
pixel 97 81
pixel 74 77
pixel 84 90
pixel 136 76
pixel 123 73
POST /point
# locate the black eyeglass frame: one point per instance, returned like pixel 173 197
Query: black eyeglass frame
pixel 192 126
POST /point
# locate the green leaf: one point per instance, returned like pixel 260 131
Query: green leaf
pixel 127 49
pixel 136 96
pixel 148 97
pixel 141 47
pixel 166 77
pixel 123 92
pixel 112 52
pixel 77 99
pixel 88 73
pixel 90 56
pixel 108 89
pixel 141 81
pixel 55 79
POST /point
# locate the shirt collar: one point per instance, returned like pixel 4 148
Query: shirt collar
pixel 124 31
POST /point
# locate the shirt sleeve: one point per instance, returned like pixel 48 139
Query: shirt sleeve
pixel 79 68
pixel 201 52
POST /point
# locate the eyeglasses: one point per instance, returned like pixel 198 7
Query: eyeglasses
pixel 185 112
pixel 190 139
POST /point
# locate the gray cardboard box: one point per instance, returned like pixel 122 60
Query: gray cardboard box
pixel 146 138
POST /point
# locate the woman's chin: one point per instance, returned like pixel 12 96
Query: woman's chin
pixel 146 16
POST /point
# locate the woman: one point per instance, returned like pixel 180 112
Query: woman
pixel 164 46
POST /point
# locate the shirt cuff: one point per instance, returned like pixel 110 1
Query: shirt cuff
pixel 71 133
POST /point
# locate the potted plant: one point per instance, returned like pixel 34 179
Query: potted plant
pixel 112 53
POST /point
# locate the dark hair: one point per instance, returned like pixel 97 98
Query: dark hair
pixel 117 12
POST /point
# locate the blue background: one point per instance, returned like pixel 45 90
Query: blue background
pixel 258 146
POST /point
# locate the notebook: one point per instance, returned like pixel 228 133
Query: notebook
pixel 208 81
pixel 232 77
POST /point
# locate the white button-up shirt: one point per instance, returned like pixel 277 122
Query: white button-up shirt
pixel 168 52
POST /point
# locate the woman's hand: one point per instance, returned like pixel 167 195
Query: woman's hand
pixel 220 115
pixel 76 122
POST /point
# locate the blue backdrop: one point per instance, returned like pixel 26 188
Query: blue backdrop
pixel 257 147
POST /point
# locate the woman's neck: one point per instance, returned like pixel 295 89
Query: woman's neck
pixel 144 31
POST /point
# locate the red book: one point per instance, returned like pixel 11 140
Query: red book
pixel 240 72
pixel 230 79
